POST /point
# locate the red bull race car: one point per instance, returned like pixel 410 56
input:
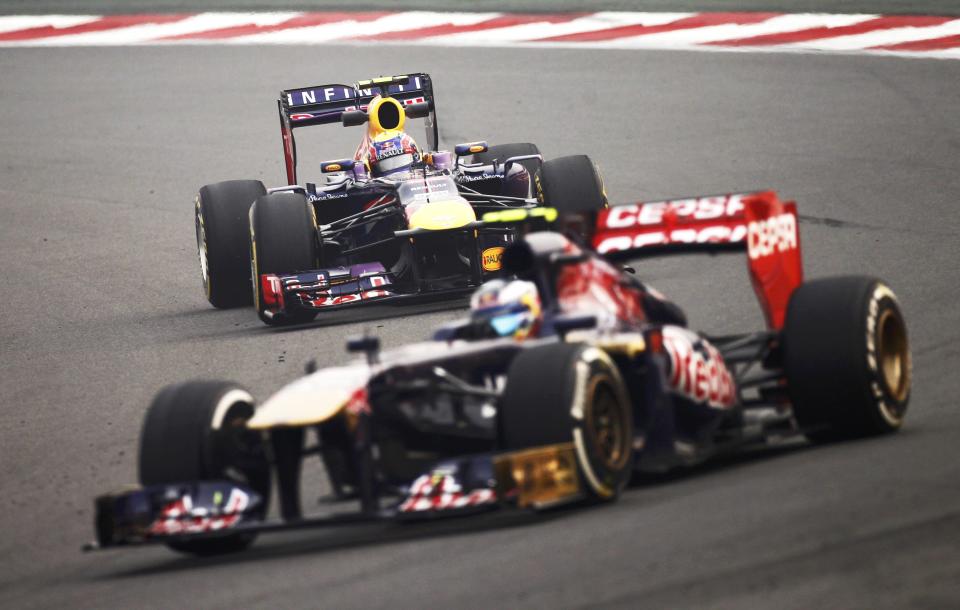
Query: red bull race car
pixel 395 221
pixel 467 422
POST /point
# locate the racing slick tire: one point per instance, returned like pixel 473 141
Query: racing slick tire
pixel 222 224
pixel 846 358
pixel 574 188
pixel 586 404
pixel 283 240
pixel 502 152
pixel 192 432
pixel 571 184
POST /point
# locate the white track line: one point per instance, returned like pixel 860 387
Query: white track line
pixel 705 38
pixel 27 22
pixel 150 32
pixel 731 31
pixel 544 29
pixel 397 22
pixel 880 37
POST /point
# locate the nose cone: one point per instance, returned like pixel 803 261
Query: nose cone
pixel 440 215
pixel 312 399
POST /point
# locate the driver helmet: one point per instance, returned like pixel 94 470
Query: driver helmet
pixel 508 308
pixel 389 150
pixel 391 154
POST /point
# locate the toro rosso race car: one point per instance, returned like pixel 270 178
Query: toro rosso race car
pixel 393 221
pixel 602 380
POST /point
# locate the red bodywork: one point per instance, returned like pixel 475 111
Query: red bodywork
pixel 697 369
pixel 596 285
pixel 271 291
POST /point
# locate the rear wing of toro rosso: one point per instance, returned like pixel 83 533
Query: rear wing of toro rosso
pixel 757 223
pixel 324 104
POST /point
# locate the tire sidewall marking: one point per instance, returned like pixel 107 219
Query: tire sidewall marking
pixel 881 299
pixel 254 275
pixel 587 363
pixel 202 250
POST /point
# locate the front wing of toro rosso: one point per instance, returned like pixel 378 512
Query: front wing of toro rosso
pixel 208 509
pixel 757 223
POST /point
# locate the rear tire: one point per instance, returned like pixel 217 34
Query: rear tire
pixel 193 432
pixel 283 240
pixel 847 358
pixel 592 410
pixel 221 219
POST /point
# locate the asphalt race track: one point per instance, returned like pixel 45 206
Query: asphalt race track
pixel 102 151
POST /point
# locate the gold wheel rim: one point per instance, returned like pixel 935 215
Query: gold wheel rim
pixel 606 423
pixel 894 353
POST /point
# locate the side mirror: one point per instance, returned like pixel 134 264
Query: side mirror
pixel 418 110
pixel 368 344
pixel 470 148
pixel 515 160
pixel 565 324
pixel 352 118
pixel 343 165
pixel 563 258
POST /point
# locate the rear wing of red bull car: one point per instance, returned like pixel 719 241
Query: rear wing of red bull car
pixel 757 223
pixel 324 104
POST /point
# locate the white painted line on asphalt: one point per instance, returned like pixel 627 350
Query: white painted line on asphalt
pixel 151 32
pixel 544 29
pixel 396 22
pixel 27 22
pixel 742 32
pixel 882 37
pixel 732 31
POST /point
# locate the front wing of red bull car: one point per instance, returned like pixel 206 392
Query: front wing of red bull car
pixel 357 238
pixel 466 423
